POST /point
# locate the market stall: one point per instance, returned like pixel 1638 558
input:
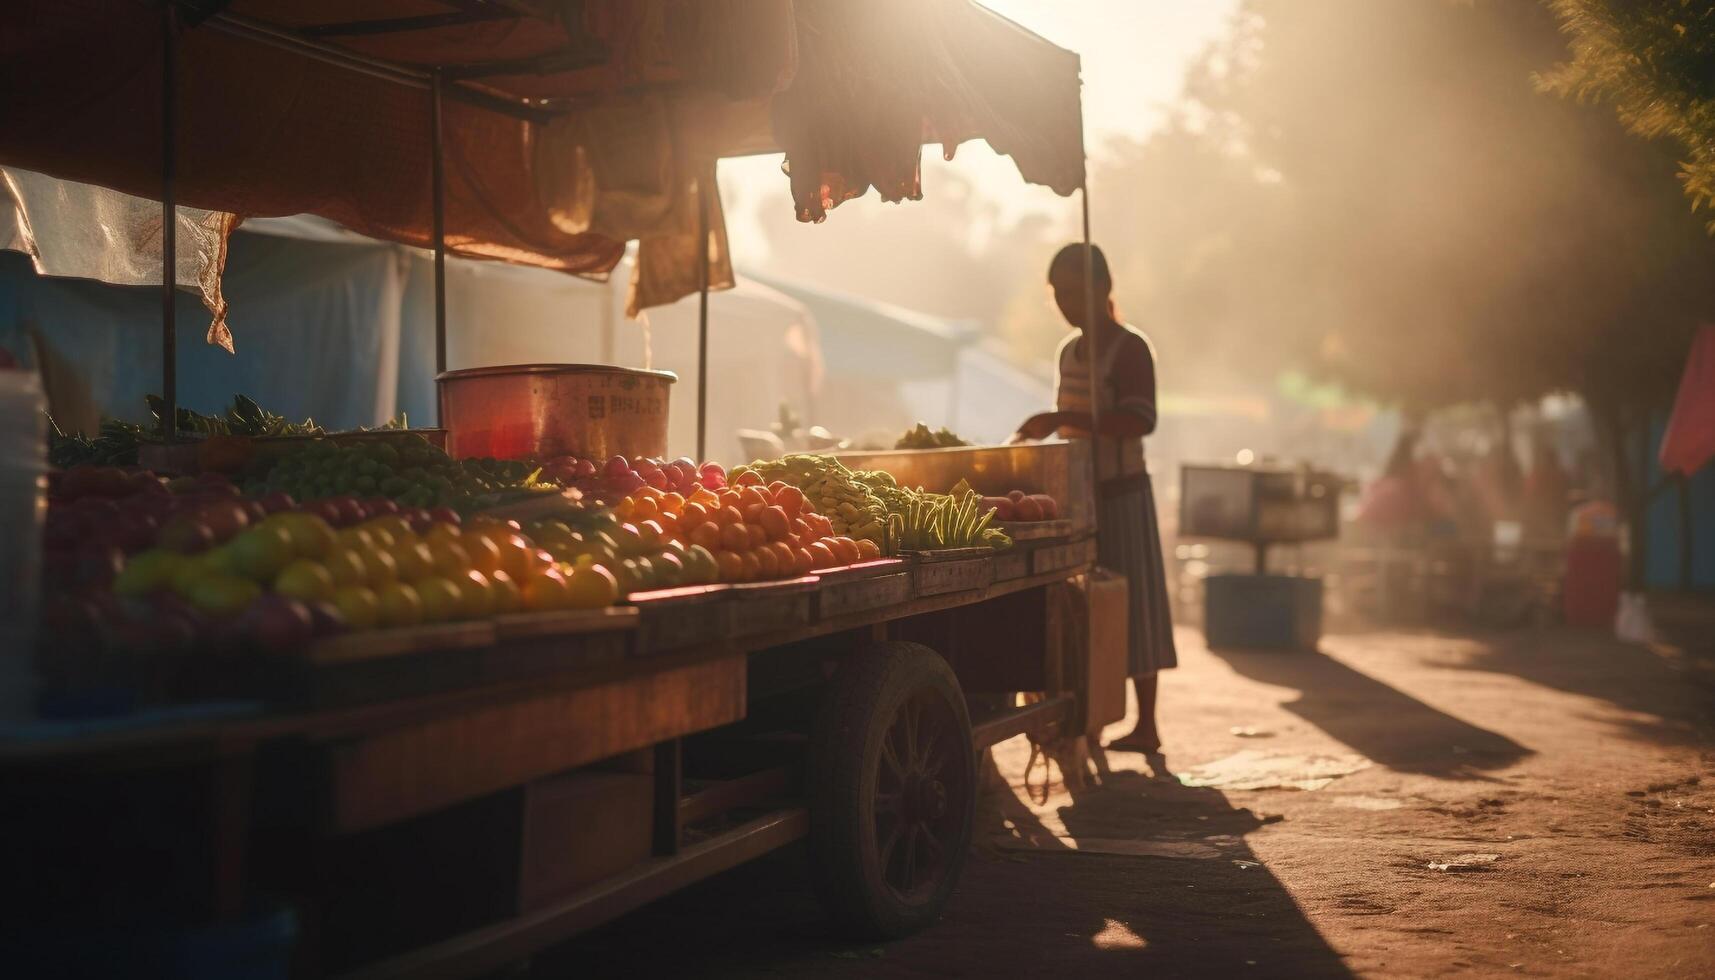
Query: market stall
pixel 578 675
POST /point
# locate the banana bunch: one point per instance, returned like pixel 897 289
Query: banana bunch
pixel 833 490
pixel 934 521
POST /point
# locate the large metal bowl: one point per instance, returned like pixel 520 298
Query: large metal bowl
pixel 542 410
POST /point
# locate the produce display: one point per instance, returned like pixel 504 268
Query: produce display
pixel 407 469
pixel 871 505
pixel 921 438
pixel 620 476
pixel 115 442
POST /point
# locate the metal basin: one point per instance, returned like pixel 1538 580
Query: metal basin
pixel 542 410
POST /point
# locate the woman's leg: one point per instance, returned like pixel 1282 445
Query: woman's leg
pixel 1142 737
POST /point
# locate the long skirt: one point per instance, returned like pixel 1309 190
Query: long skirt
pixel 1129 542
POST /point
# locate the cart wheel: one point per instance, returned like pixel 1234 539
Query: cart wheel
pixel 893 790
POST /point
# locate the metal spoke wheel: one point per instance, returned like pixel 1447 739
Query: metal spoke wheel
pixel 893 790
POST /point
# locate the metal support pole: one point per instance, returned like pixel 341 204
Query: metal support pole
pixel 1092 349
pixel 703 319
pixel 169 220
pixel 437 178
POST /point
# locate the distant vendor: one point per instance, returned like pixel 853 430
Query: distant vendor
pixel 1129 540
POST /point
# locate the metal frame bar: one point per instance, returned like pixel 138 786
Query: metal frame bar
pixel 702 321
pixel 438 184
pixel 169 221
pixel 1091 328
pixel 397 25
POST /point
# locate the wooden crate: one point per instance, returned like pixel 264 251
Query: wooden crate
pixel 938 573
pixel 669 619
pixel 767 607
pixel 579 828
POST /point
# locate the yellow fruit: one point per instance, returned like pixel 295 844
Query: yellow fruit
pixel 259 553
pixel 507 596
pixel 476 595
pixel 311 536
pixel 356 537
pixel 382 537
pixel 400 605
pixel 396 527
pixel 360 606
pixel 412 561
pixel 306 580
pixel 549 590
pixel 149 571
pixel 379 568
pixel 592 587
pixel 347 567
pixel 700 566
pixel 516 555
pixel 224 595
pixel 442 532
pixel 440 599
pixel 449 557
pixel 192 569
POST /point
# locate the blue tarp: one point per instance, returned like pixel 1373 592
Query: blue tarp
pixel 310 321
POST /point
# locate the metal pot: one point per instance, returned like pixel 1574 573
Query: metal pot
pixel 543 410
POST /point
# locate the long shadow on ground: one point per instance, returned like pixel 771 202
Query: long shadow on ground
pixel 1383 723
pixel 1041 911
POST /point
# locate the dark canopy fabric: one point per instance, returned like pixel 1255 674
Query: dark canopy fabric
pixel 857 87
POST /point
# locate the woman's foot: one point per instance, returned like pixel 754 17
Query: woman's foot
pixel 1136 741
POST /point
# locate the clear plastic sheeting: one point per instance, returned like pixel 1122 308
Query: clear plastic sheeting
pixel 81 231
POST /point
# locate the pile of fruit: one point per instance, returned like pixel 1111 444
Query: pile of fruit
pixel 752 532
pixel 621 476
pixel 116 441
pixel 956 520
pixel 831 489
pixel 921 438
pixel 1021 507
pixel 406 469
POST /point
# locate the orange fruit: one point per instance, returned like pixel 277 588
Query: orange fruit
pixel 592 587
pixel 822 556
pixel 484 554
pixel 729 566
pixel 347 567
pixel 507 596
pixel 360 606
pixel 789 499
pixel 799 529
pixel 515 555
pixel 735 537
pixel 441 599
pixel 477 595
pixel 692 514
pixel 305 580
pixel 752 566
pixel 412 561
pixel 758 537
pixel 442 532
pixel 846 550
pixel 729 515
pixel 749 496
pixel 400 605
pixel 767 563
pixel 775 522
pixel 623 510
pixel 707 534
pixel 547 590
pixel 868 550
pixel 707 498
pixel 786 556
pixel 804 562
pixel 671 503
pixel 642 510
pixel 652 533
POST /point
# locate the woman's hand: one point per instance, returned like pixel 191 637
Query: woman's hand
pixel 1040 426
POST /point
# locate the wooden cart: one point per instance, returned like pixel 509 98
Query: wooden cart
pixel 551 772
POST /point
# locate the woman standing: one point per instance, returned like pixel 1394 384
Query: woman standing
pixel 1129 540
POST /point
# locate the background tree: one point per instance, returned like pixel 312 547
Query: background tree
pixel 1654 61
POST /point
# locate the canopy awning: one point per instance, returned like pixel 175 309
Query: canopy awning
pixel 564 121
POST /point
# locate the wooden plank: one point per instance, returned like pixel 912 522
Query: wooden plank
pixel 861 570
pixel 950 554
pixel 565 622
pixel 404 641
pixel 1035 718
pixel 490 948
pixel 941 577
pixel 864 594
pixel 1010 564
pixel 672 618
pixel 579 828
pixel 763 607
pixel 722 796
pixel 1059 557
pixel 1036 530
pixel 414 768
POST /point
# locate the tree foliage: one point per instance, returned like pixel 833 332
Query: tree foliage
pixel 1377 193
pixel 1654 61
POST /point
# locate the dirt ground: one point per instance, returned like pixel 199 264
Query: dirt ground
pixel 1539 803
